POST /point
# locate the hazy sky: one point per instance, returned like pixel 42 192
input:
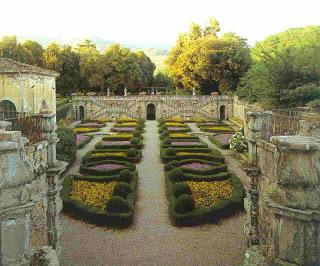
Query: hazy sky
pixel 152 21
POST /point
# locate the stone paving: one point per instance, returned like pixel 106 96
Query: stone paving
pixel 152 240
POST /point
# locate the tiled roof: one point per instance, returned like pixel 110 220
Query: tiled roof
pixel 10 66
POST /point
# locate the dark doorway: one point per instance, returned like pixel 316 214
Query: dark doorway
pixel 151 111
pixel 222 112
pixel 81 112
pixel 7 110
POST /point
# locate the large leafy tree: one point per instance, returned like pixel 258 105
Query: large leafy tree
pixel 286 67
pixel 203 60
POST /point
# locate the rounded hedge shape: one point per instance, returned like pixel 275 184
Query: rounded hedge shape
pixel 181 188
pixel 121 189
pixel 164 134
pixel 176 175
pixel 117 204
pixel 125 176
pixel 136 134
pixel 135 141
pixel 167 141
pixel 184 204
pixel 139 127
pixel 132 152
pixel 171 152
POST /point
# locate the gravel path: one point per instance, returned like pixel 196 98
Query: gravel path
pixel 152 240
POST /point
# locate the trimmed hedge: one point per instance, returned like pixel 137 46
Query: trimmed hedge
pixel 84 143
pixel 224 208
pixel 97 216
pixel 218 143
pixel 85 168
pixel 126 158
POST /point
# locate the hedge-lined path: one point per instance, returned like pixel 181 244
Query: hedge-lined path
pixel 75 167
pixel 230 161
pixel 152 240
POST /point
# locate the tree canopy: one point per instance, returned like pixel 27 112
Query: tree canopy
pixel 203 60
pixel 285 70
pixel 84 68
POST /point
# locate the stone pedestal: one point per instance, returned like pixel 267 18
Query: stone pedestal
pixel 295 202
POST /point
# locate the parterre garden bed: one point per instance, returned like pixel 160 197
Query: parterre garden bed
pixel 199 187
pixel 104 191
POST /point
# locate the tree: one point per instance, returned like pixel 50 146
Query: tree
pixel 33 52
pixel 286 67
pixel 10 48
pixel 203 60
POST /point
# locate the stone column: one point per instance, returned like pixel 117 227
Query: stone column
pixel 54 183
pixel 295 202
pixel 257 123
pixel 15 205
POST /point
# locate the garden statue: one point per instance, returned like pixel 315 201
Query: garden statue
pixel 193 92
pixel 108 92
pixel 125 91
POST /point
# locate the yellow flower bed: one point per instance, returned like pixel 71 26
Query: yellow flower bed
pixel 190 153
pixel 78 130
pixel 208 194
pixel 220 128
pixel 121 119
pixel 128 124
pixel 103 120
pixel 176 118
pixel 94 194
pixel 104 154
pixel 175 124
pixel 119 135
pixel 179 135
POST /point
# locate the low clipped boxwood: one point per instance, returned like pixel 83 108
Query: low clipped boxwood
pixel 181 188
pixel 170 152
pixel 89 157
pixel 117 205
pixel 176 175
pixel 184 204
pixel 137 134
pixel 164 134
pixel 132 152
pixel 121 189
pixel 224 208
pixel 67 146
pixel 167 141
pixel 99 216
pixel 125 176
pixel 87 168
pixel 135 141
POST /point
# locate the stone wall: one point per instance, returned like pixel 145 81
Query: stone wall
pixel 166 106
pixel 29 195
pixel 284 200
pixel 28 91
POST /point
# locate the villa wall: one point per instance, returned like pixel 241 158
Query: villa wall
pixel 27 91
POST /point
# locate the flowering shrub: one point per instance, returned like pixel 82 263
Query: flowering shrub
pixel 238 142
pixel 94 194
pixel 208 194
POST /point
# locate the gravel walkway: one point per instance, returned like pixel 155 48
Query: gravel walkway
pixel 152 240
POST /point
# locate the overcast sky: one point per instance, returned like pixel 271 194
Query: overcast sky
pixel 152 21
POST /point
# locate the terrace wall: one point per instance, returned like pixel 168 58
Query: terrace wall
pixel 29 196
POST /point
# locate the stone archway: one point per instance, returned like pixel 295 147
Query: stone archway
pixel 151 111
pixel 81 114
pixel 7 109
pixel 222 112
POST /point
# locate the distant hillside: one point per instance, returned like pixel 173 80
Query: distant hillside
pixel 157 56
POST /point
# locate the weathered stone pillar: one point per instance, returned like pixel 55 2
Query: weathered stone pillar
pixel 257 123
pixel 15 204
pixel 54 184
pixel 294 202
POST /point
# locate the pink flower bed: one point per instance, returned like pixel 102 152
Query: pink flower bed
pixel 107 166
pixel 195 166
pixel 81 138
pixel 185 143
pixel 91 124
pixel 223 138
pixel 124 129
pixel 115 142
pixel 176 128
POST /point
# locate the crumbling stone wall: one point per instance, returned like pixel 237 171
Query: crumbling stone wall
pixel 30 200
pixel 284 201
